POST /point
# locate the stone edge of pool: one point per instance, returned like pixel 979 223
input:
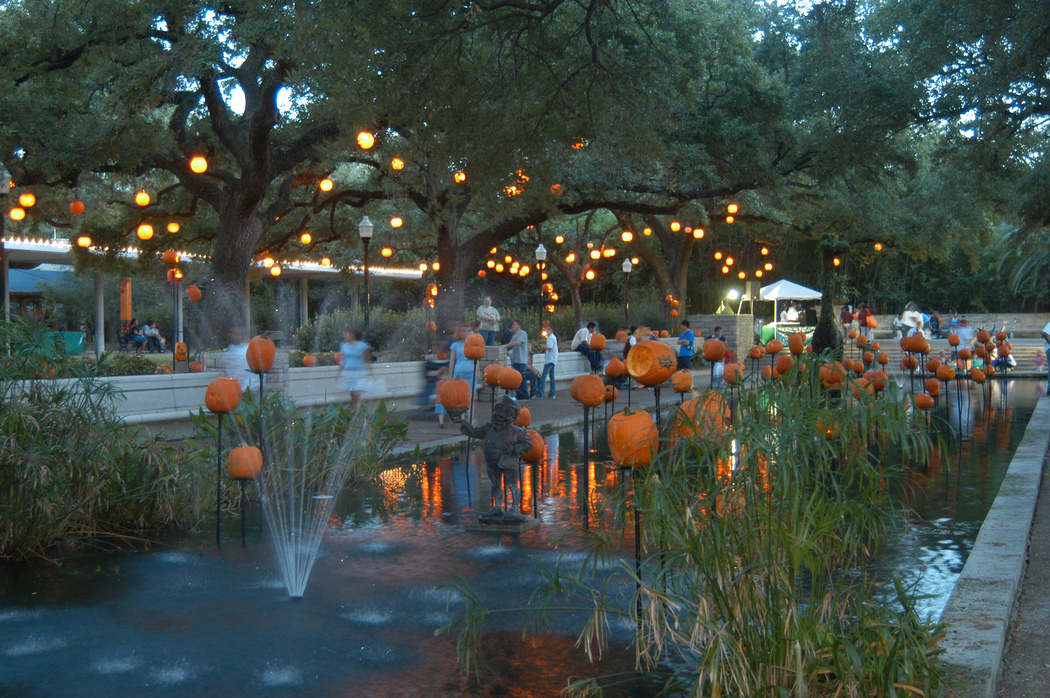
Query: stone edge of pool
pixel 981 605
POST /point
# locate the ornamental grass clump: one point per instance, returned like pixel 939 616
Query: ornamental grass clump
pixel 70 471
pixel 756 539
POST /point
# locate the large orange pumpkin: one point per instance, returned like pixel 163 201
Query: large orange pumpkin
pixel 989 370
pixel 474 347
pixel 650 363
pixel 588 389
pixel 455 395
pixel 170 257
pixel 945 373
pixel 981 351
pixel 510 379
pixel 664 334
pixel 932 365
pixel 883 358
pixel 862 341
pixel 909 363
pixel 182 353
pixel 965 354
pixel 194 294
pixel 597 342
pixel 632 438
pixel 244 463
pixel 223 395
pixel 196 367
pixel 862 387
pixel 622 336
pixel 261 354
pixel 875 346
pixel 1000 336
pixel 714 350
pixel 954 340
pixel 869 357
pixel 611 393
pixel 933 386
pixel 774 346
pixel 309 361
pixel 492 372
pixel 615 368
pixel 984 336
pixel 338 358
pixel 704 417
pixel 797 343
pixel 784 363
pixel 524 418
pixel 756 352
pixel 977 375
pixel 538 446
pixel 682 381
pixel 923 401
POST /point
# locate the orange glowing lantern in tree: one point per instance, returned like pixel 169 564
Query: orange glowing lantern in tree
pixel 142 197
pixel 83 241
pixel 198 164
pixel 27 200
pixel 144 231
pixel 17 213
pixel 397 164
pixel 173 227
pixel 77 207
pixel 365 140
pixel 326 184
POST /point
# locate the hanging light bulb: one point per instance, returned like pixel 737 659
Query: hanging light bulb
pixel 647 232
pixel 174 227
pixel 559 239
pixel 83 241
pixel 878 247
pixel 27 200
pixel 491 264
pixel 729 220
pixel 732 208
pixel 17 213
pixel 396 222
pixel 326 184
pixel 590 274
pixel 634 261
pixel 306 238
pixel 142 197
pixel 436 266
pixel 268 262
pixel 767 266
pixel 758 273
pixel 365 140
pixel 729 261
pixel 725 270
pixel 198 164
pixel 325 262
pixel 144 231
pixel 596 254
pixel 627 236
pixel 764 251
pixel 718 255
pixel 675 226
pixel 499 268
pixel 422 266
pixel 386 252
pixel 275 270
pixel 698 233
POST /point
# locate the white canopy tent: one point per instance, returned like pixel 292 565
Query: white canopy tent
pixel 788 290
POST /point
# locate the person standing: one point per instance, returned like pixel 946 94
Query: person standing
pixel 581 343
pixel 489 319
pixel 862 319
pixel 846 320
pixel 462 367
pixel 550 360
pixel 357 359
pixel 685 344
pixel 518 349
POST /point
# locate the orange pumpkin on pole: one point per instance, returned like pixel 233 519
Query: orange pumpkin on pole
pixel 223 395
pixel 714 350
pixel 510 379
pixel 538 447
pixel 650 363
pixel 244 463
pixel 474 347
pixel 491 374
pixel 682 381
pixel 455 396
pixel 703 417
pixel 524 418
pixel 261 354
pixel 632 438
pixel 588 389
pixel 597 342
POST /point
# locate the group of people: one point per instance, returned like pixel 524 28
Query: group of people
pixel 147 337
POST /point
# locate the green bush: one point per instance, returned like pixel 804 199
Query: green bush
pixel 69 469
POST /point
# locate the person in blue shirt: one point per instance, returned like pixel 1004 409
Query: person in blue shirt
pixel 685 344
pixel 357 358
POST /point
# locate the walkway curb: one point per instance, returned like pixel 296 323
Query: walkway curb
pixel 981 605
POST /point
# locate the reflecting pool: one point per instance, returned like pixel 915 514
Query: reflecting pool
pixel 190 619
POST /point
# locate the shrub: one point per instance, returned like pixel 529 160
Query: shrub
pixel 69 469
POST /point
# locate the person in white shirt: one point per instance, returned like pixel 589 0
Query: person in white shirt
pixel 581 342
pixel 550 360
pixel 912 319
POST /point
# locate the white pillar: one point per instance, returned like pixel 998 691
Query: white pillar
pixel 7 288
pixel 100 315
pixel 304 303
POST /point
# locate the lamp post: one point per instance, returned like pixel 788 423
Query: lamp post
pixel 627 266
pixel 541 263
pixel 364 229
pixel 5 187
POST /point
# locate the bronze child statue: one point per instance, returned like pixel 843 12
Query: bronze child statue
pixel 503 444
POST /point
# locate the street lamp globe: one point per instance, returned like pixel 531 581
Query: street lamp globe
pixel 541 253
pixel 627 266
pixel 364 228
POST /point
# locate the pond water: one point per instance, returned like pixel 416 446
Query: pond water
pixel 191 619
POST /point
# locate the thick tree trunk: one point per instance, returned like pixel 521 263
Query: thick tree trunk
pixel 226 303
